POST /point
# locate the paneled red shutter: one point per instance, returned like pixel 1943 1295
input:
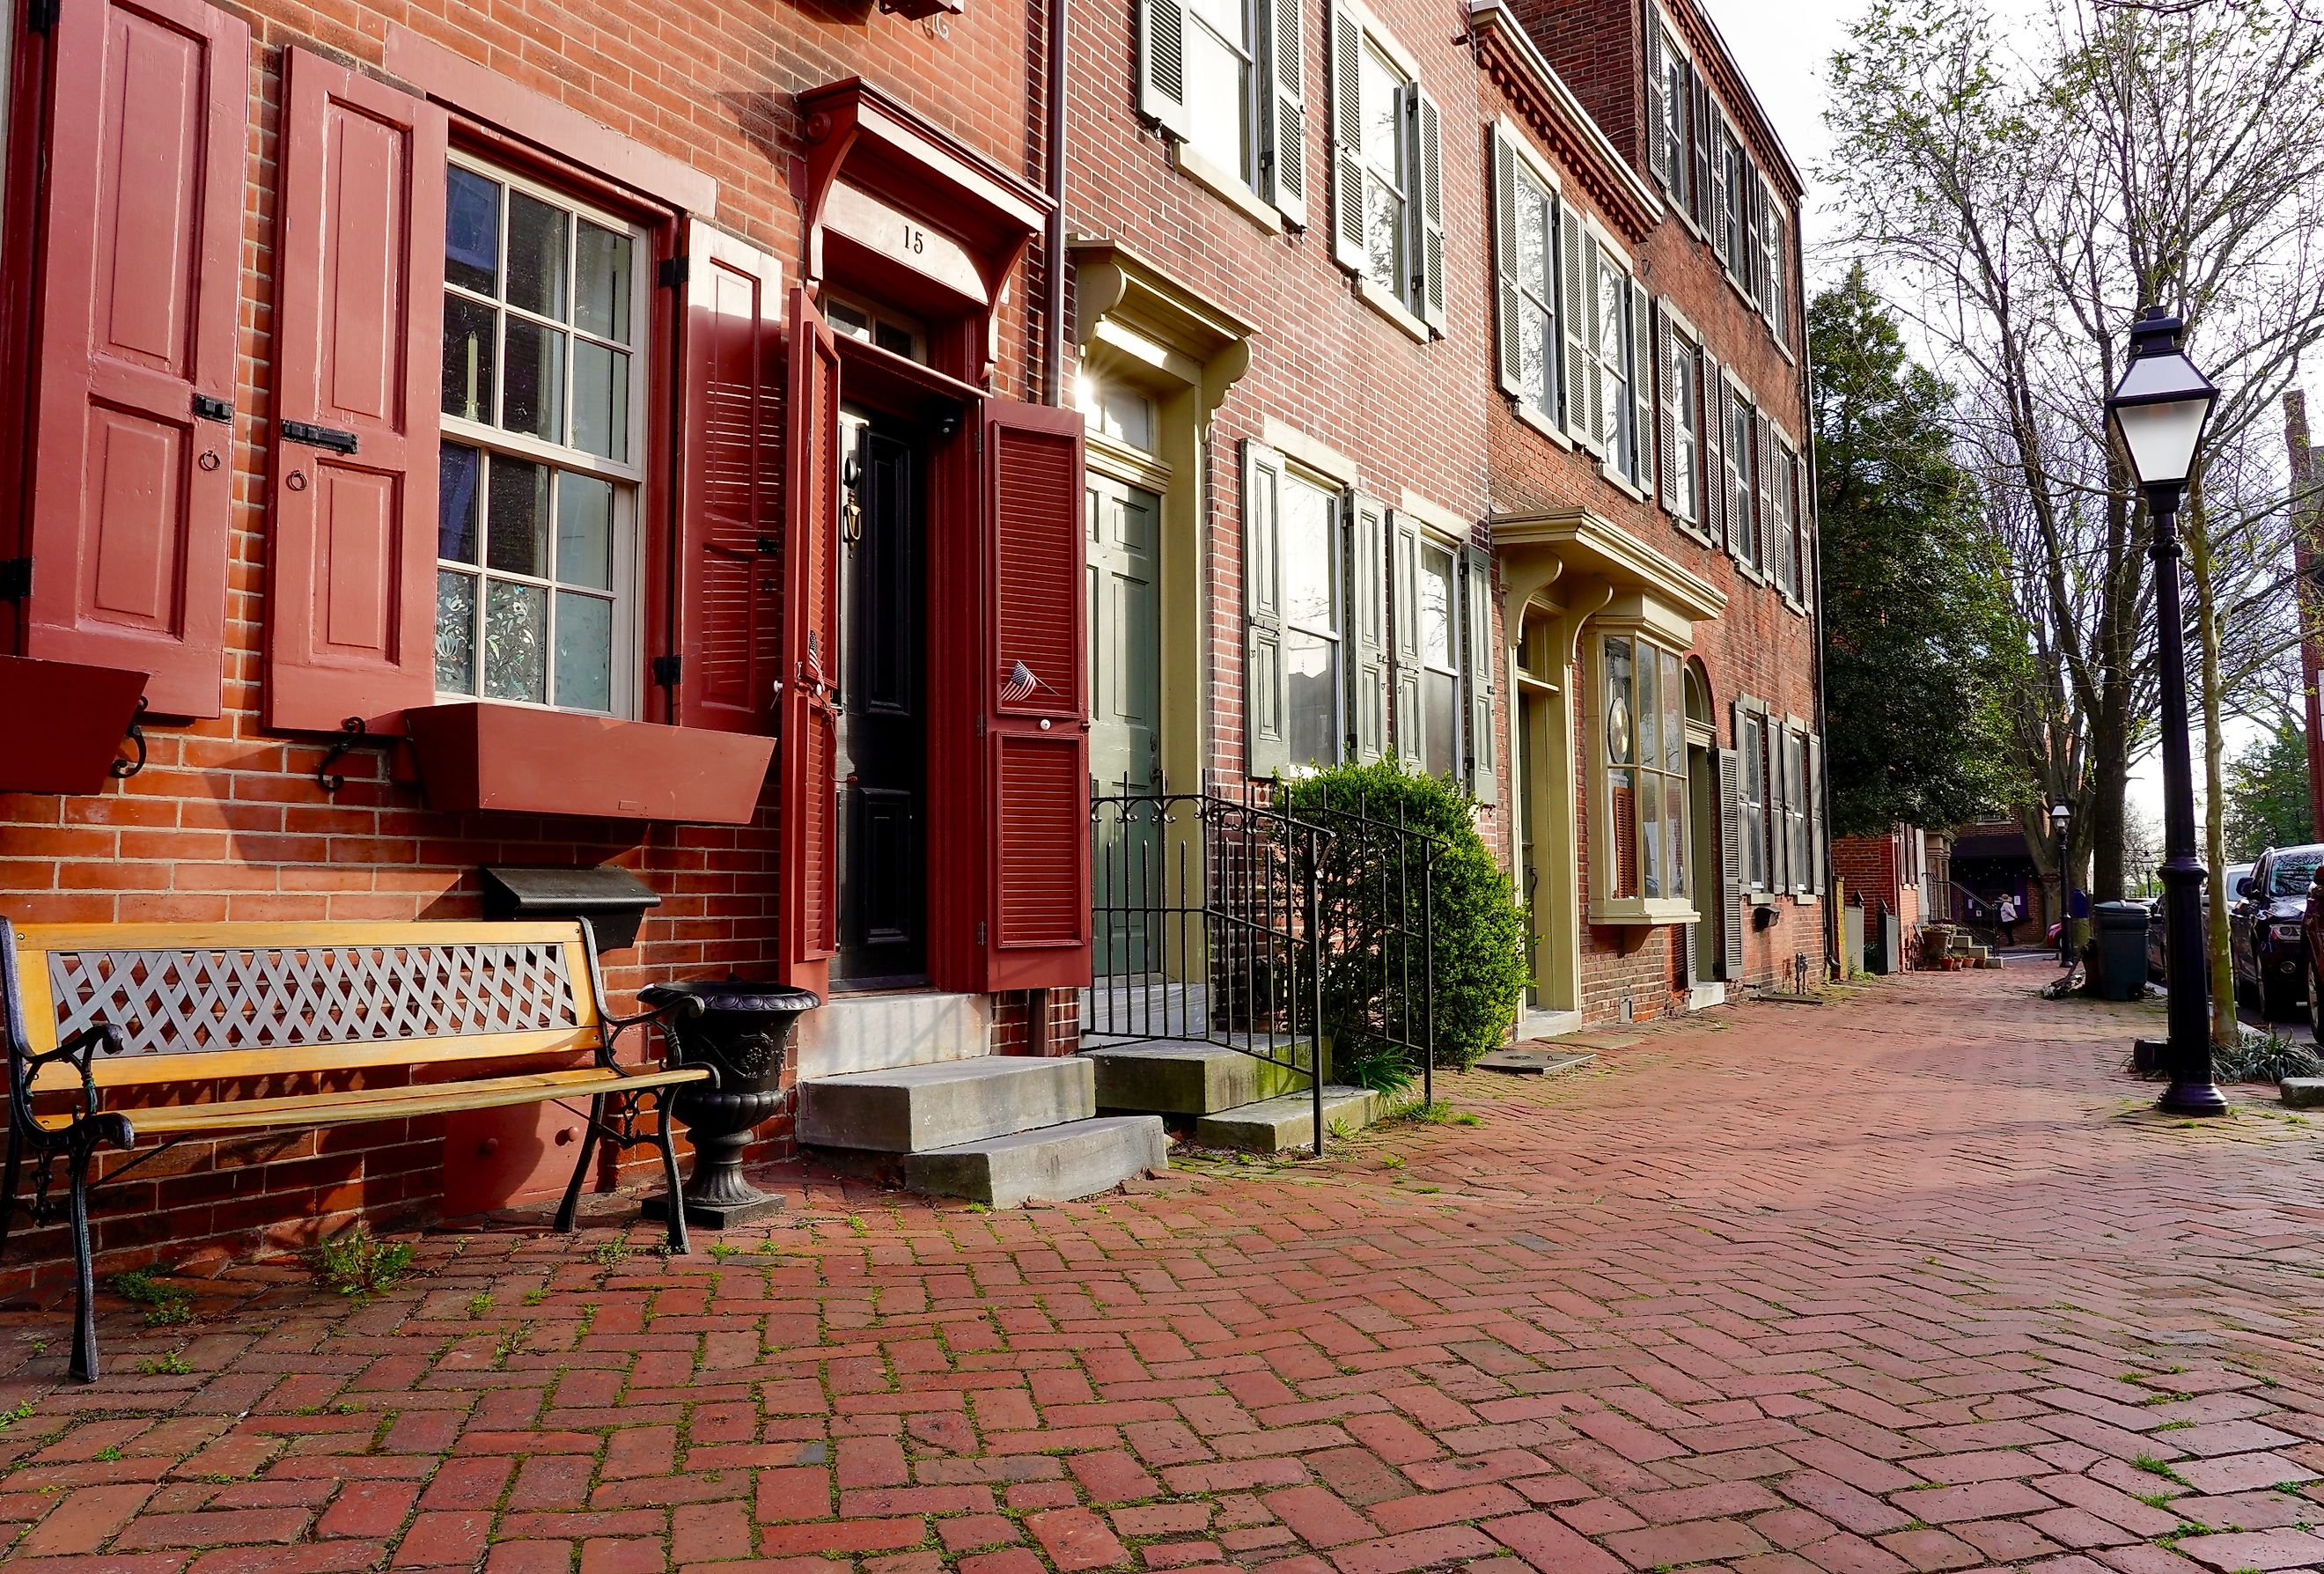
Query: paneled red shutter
pixel 1036 678
pixel 811 664
pixel 132 401
pixel 735 372
pixel 358 323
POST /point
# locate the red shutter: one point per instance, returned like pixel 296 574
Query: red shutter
pixel 132 431
pixel 734 370
pixel 810 667
pixel 1038 751
pixel 358 319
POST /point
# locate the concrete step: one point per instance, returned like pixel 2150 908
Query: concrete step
pixel 1056 1164
pixel 912 1108
pixel 1288 1121
pixel 1184 1077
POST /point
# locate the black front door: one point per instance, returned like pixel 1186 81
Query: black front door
pixel 883 713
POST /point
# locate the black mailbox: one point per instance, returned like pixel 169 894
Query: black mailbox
pixel 613 900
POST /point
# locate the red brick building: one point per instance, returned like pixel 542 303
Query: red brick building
pixel 746 447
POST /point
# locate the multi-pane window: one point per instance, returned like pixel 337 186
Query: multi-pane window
pixel 1380 90
pixel 1783 543
pixel 1533 294
pixel 1730 215
pixel 1440 662
pixel 1680 487
pixel 1312 624
pixel 1742 475
pixel 1614 435
pixel 875 325
pixel 1678 92
pixel 1642 851
pixel 1751 790
pixel 1219 60
pixel 1772 264
pixel 1795 812
pixel 543 406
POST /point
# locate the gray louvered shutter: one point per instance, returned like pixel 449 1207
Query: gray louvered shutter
pixel 1730 862
pixel 1429 160
pixel 1346 141
pixel 1700 131
pixel 1283 107
pixel 1265 745
pixel 1779 804
pixel 1403 631
pixel 1668 414
pixel 1816 849
pixel 1763 496
pixel 1368 626
pixel 1484 663
pixel 1577 284
pixel 1508 317
pixel 1721 237
pixel 1714 449
pixel 1658 123
pixel 1771 257
pixel 1642 388
pixel 1162 65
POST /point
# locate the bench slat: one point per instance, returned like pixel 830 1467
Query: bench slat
pixel 136 1071
pixel 311 1109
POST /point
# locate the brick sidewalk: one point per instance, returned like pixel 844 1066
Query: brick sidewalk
pixel 1907 1283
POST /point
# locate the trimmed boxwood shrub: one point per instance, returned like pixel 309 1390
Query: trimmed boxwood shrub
pixel 1479 934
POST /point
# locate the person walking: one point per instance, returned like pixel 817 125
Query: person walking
pixel 2007 914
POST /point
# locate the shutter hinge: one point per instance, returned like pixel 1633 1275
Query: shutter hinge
pixel 668 669
pixel 670 272
pixel 980 931
pixel 41 15
pixel 15 578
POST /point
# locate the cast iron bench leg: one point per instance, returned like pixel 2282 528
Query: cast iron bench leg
pixel 570 1207
pixel 8 1182
pixel 677 1241
pixel 83 1356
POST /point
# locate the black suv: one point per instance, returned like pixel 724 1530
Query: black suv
pixel 2263 928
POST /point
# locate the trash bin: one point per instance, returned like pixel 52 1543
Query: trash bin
pixel 2121 958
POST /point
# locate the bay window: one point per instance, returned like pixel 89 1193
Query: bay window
pixel 541 456
pixel 1639 823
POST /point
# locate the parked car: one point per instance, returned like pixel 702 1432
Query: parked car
pixel 2158 943
pixel 2265 929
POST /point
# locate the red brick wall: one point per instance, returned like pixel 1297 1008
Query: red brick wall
pixel 228 822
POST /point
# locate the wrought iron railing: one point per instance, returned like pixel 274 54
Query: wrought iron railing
pixel 1271 928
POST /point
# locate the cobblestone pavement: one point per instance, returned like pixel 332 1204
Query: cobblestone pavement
pixel 1909 1282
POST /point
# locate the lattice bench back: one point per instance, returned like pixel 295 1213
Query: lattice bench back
pixel 195 1002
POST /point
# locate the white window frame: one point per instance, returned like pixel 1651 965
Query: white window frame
pixel 1678 111
pixel 1431 544
pixel 1244 173
pixel 1752 794
pixel 1401 177
pixel 1686 435
pixel 627 479
pixel 1339 501
pixel 1526 167
pixel 1742 466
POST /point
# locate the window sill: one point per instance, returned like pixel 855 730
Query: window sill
pixel 474 755
pixel 1618 481
pixel 66 722
pixel 1607 911
pixel 1540 422
pixel 1225 187
pixel 1693 531
pixel 1390 307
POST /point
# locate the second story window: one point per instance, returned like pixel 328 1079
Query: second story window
pixel 1681 482
pixel 541 458
pixel 1220 59
pixel 1524 217
pixel 1387 201
pixel 1742 482
pixel 1670 102
pixel 1227 79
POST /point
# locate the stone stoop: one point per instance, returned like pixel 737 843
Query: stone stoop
pixel 1287 1122
pixel 1233 1100
pixel 1001 1130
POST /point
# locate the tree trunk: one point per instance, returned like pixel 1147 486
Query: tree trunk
pixel 2215 893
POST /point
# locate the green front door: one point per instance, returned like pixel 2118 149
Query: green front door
pixel 1125 607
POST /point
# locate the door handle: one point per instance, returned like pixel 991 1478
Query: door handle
pixel 316 436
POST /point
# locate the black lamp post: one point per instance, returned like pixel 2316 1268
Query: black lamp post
pixel 2158 413
pixel 2061 814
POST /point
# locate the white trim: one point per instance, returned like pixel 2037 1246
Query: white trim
pixel 1439 519
pixel 1497 15
pixel 1522 146
pixel 1369 26
pixel 1377 296
pixel 1225 187
pixel 1539 422
pixel 1312 455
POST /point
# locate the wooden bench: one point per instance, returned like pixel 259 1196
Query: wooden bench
pixel 118 1033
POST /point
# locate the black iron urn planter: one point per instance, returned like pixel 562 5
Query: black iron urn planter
pixel 744 1031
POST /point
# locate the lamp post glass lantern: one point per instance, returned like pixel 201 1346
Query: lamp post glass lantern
pixel 2157 413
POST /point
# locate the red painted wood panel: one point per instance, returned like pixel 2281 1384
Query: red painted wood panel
pixel 1036 741
pixel 729 608
pixel 142 214
pixel 809 791
pixel 351 594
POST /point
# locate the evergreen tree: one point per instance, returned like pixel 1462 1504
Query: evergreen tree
pixel 1917 620
pixel 2266 795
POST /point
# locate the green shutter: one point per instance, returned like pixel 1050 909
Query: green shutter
pixel 1265 748
pixel 1484 663
pixel 1403 628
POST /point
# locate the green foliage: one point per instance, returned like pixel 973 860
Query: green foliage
pixel 171 1364
pixel 1919 637
pixel 2268 1058
pixel 357 1263
pixel 1374 1063
pixel 164 1304
pixel 1479 934
pixel 2264 795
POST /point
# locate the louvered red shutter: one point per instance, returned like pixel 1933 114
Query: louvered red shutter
pixel 1037 924
pixel 132 433
pixel 731 601
pixel 358 320
pixel 810 663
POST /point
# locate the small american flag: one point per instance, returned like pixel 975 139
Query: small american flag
pixel 1019 685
